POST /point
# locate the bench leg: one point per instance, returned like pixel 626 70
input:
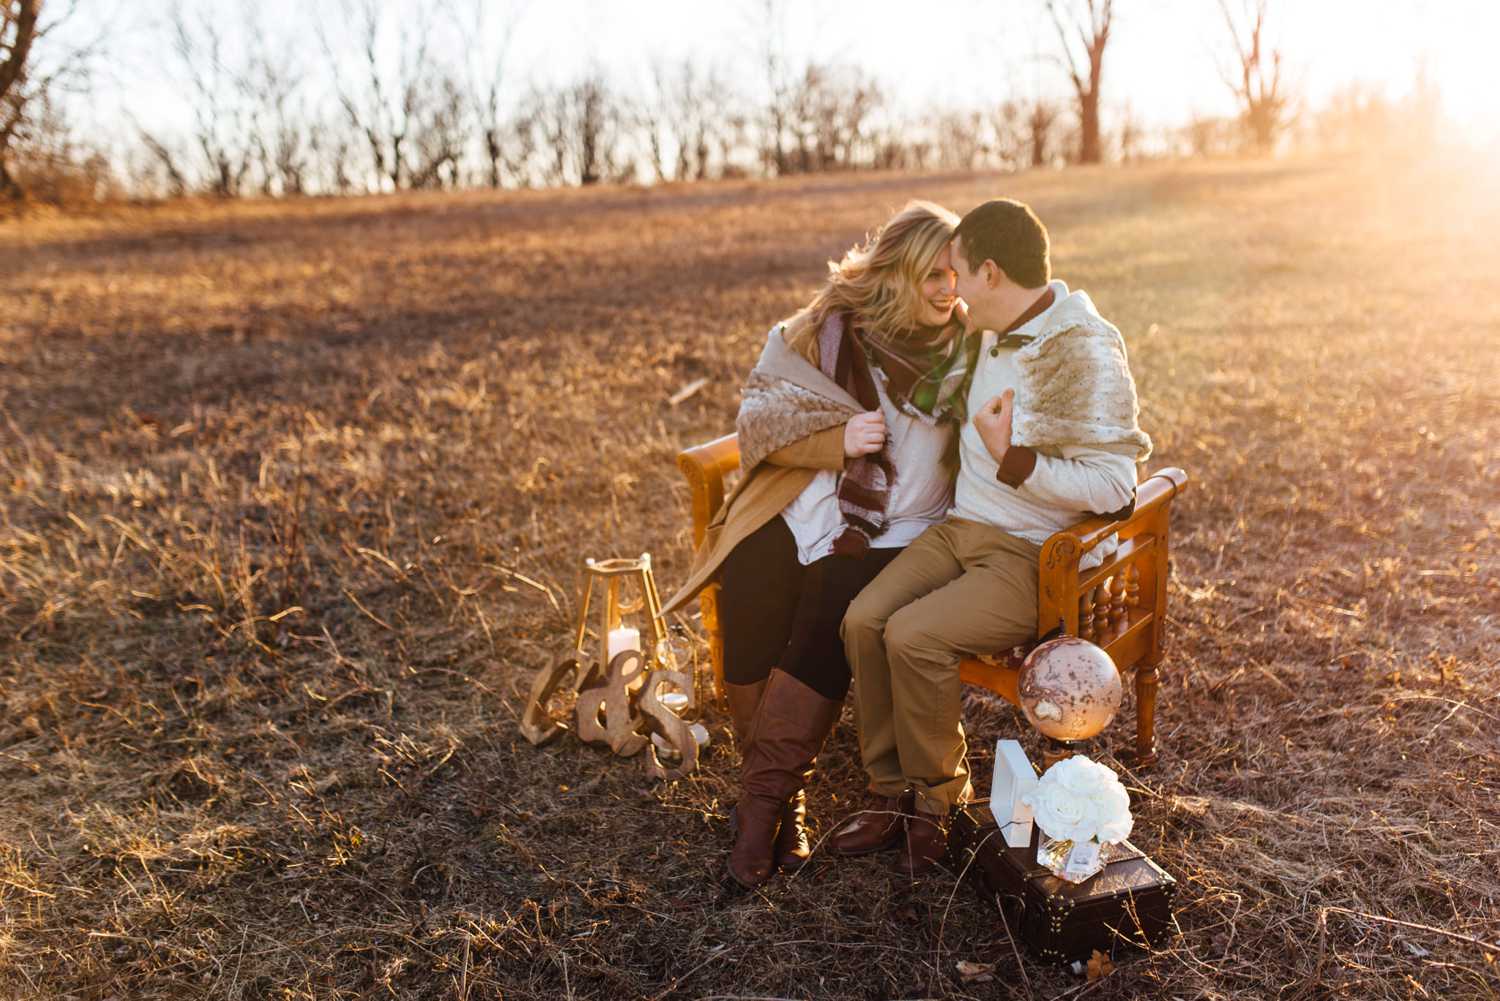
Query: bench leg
pixel 709 602
pixel 1146 681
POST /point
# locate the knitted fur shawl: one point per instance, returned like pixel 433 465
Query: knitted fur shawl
pixel 786 399
pixel 1075 386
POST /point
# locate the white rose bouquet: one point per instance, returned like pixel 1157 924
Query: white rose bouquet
pixel 1080 800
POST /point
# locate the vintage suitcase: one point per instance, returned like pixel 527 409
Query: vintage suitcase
pixel 1129 904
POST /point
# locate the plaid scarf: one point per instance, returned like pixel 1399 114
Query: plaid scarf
pixel 865 488
pixel 926 373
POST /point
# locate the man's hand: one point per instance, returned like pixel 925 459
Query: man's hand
pixel 993 424
pixel 865 434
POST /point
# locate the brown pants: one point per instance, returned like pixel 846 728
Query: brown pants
pixel 961 587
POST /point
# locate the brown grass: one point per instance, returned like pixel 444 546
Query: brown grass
pixel 278 480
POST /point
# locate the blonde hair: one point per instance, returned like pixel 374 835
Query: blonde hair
pixel 879 281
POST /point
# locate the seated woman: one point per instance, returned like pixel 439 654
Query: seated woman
pixel 847 434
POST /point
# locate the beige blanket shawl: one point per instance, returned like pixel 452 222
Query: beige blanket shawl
pixel 1075 386
pixel 786 399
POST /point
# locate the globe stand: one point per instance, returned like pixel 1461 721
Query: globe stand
pixel 1055 750
pixel 1131 757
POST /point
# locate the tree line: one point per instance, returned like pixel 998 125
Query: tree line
pixel 362 96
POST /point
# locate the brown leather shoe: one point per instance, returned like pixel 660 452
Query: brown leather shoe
pixel 926 843
pixel 788 732
pixel 876 828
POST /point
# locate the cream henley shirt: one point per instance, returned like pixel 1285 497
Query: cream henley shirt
pixel 1061 491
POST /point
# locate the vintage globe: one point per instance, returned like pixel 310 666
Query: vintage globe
pixel 1069 688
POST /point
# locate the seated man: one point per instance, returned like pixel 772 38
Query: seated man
pixel 1053 440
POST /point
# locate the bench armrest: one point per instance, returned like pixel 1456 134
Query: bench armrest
pixel 705 467
pixel 1143 542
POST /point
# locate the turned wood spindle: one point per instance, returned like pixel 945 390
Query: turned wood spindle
pixel 1107 607
pixel 1132 586
pixel 1086 618
pixel 1117 602
pixel 1101 611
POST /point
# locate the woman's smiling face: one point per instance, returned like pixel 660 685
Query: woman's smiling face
pixel 937 291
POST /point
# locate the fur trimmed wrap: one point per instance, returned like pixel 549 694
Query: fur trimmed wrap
pixel 1075 386
pixel 784 400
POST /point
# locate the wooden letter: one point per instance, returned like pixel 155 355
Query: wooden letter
pixel 621 722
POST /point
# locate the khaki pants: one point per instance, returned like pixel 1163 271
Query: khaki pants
pixel 962 587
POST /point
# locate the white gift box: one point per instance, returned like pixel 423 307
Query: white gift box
pixel 1014 778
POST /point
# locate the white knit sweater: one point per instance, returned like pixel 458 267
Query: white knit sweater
pixel 1061 491
pixel 919 498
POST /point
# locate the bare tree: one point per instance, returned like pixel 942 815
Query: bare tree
pixel 826 119
pixel 702 115
pixel 34 69
pixel 384 104
pixel 332 154
pixel 1084 62
pixel 682 118
pixel 18 30
pixel 485 71
pixel 1256 77
pixel 578 128
pixel 519 156
pixel 441 133
pixel 222 131
pixel 960 139
pixel 271 85
pixel 166 160
pixel 593 128
pixel 735 126
pixel 1131 134
pixel 844 106
pixel 1206 135
pixel 1040 120
pixel 649 117
pixel 1010 132
pixel 781 88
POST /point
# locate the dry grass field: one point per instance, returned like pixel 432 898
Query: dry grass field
pixel 293 497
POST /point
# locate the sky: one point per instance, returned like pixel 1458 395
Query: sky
pixel 1163 61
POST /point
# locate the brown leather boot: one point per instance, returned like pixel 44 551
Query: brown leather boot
pixel 876 828
pixel 743 701
pixel 788 732
pixel 926 843
pixel 793 843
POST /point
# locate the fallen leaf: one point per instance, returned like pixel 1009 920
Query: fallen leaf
pixel 1100 965
pixel 975 973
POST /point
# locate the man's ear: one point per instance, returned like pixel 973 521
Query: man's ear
pixel 993 274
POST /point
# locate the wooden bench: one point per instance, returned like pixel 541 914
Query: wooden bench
pixel 1121 604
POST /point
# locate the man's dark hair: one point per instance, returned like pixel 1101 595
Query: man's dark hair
pixel 1008 233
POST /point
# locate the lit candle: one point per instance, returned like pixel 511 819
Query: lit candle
pixel 620 640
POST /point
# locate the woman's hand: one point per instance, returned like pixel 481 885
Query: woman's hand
pixel 864 434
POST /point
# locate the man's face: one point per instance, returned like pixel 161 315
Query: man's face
pixel 969 284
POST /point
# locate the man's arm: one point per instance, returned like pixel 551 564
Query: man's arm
pixel 1083 479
